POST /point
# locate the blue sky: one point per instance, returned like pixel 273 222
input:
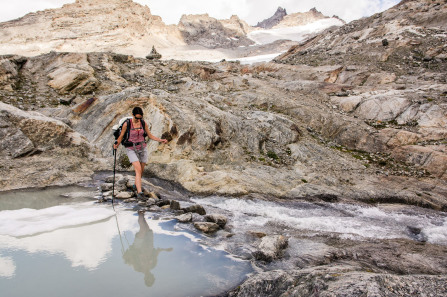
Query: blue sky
pixel 251 11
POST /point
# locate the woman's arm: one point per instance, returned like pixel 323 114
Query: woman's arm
pixel 149 134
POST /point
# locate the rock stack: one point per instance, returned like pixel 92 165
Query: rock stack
pixel 154 55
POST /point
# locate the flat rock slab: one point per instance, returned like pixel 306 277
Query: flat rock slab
pixel 124 195
pixel 185 218
pixel 206 227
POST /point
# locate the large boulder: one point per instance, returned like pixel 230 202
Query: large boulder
pixel 271 248
pixel 39 151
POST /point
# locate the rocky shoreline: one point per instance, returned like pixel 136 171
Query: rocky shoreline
pixel 290 262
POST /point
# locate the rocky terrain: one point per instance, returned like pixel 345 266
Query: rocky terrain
pixel 234 129
pixel 355 115
pixel 209 32
pixel 95 26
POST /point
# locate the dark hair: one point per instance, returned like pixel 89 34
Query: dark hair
pixel 137 110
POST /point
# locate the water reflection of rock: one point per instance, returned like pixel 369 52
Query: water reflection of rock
pixel 142 255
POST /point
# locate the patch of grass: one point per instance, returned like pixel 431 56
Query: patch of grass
pixel 124 161
pixel 272 155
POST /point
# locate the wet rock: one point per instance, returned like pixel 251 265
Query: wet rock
pixel 196 208
pixel 124 195
pixel 109 179
pixel 175 205
pixel 153 195
pixel 184 218
pixel 206 227
pixel 219 219
pixel 106 187
pixel 271 248
pixel 197 218
pixel 257 234
pixel 155 208
pixel 150 202
pixel 161 203
pixel 417 234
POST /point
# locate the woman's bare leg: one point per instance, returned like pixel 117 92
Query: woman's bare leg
pixel 138 174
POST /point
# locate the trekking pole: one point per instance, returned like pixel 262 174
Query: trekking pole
pixel 114 170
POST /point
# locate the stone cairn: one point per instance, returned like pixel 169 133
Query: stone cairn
pixel 154 55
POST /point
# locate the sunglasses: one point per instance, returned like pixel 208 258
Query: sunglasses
pixel 138 118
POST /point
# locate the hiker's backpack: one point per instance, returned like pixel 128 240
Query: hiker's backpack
pixel 119 127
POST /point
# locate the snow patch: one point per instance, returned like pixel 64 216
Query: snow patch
pixel 297 33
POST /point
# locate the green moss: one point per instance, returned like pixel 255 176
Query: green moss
pixel 272 155
pixel 304 181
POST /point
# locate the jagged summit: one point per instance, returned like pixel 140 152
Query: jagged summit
pixel 273 20
pixel 301 18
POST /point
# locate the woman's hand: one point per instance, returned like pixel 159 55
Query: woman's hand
pixel 115 145
pixel 164 141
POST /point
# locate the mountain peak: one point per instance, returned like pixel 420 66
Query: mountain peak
pixel 274 20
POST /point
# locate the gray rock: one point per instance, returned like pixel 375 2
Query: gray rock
pixel 196 208
pixel 196 217
pixel 150 201
pixel 106 187
pixel 206 227
pixel 175 205
pixel 109 179
pixel 162 203
pixel 219 219
pixel 184 218
pixel 271 248
pixel 14 143
pixel 124 195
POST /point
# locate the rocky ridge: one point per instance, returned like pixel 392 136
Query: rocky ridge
pixel 274 20
pixel 209 32
pixel 96 26
pixel 300 19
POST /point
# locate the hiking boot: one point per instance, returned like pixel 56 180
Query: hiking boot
pixel 140 196
pixel 134 188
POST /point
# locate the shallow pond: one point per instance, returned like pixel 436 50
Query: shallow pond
pixel 54 245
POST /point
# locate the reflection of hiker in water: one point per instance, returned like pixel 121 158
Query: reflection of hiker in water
pixel 141 255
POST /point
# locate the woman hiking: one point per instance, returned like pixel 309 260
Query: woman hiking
pixel 136 147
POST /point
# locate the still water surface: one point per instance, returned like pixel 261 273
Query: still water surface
pixel 69 246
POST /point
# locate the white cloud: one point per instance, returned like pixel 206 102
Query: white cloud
pixel 251 11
